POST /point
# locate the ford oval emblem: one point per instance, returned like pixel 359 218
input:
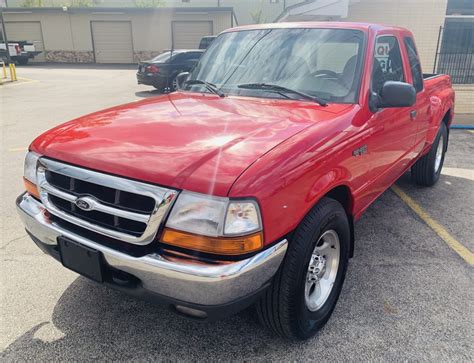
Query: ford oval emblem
pixel 84 204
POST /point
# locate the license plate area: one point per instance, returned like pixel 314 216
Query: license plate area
pixel 81 259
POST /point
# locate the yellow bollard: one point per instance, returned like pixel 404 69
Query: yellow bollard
pixel 14 73
pixel 4 69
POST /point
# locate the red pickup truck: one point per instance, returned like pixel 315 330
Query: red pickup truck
pixel 242 187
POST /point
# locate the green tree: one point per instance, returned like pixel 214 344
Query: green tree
pixel 32 3
pixel 257 15
pixel 81 3
pixel 149 3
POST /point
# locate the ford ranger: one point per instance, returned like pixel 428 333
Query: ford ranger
pixel 242 188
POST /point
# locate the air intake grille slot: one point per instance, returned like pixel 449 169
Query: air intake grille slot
pixel 114 197
pixel 102 219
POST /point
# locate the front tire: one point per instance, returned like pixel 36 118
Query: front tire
pixel 23 61
pixel 161 89
pixel 427 170
pixel 306 288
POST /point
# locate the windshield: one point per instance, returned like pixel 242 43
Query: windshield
pixel 324 63
pixel 165 57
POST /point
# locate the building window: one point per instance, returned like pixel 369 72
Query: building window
pixel 460 7
pixel 456 55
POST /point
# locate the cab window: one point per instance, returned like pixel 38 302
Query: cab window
pixel 387 62
pixel 414 64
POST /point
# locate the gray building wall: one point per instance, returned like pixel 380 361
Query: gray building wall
pixel 243 8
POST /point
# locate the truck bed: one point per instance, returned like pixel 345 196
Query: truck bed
pixel 431 75
pixel 435 82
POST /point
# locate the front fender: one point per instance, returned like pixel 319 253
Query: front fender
pixel 290 181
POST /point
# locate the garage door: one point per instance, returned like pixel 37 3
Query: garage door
pixel 29 31
pixel 188 34
pixel 112 41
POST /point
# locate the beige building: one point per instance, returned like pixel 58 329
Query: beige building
pixel 112 35
pixel 443 30
pixel 424 18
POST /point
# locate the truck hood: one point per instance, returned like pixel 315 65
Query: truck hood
pixel 182 140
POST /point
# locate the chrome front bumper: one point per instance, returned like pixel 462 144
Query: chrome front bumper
pixel 186 281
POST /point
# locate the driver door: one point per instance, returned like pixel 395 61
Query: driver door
pixel 393 131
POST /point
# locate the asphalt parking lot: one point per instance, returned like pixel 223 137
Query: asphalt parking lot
pixel 408 295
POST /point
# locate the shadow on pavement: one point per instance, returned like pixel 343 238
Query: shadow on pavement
pixel 101 322
pixel 47 65
pixel 150 93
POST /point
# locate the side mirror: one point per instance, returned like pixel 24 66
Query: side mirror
pixel 394 94
pixel 181 78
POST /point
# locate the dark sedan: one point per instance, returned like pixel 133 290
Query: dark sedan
pixel 161 71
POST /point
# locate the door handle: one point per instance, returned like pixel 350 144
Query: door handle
pixel 413 114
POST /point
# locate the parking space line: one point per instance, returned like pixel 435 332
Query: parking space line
pixel 21 81
pixel 27 79
pixel 459 173
pixel 458 247
pixel 16 149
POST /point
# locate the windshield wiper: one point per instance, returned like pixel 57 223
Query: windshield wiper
pixel 279 89
pixel 211 87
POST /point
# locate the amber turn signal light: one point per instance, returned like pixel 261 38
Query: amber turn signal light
pixel 214 245
pixel 31 188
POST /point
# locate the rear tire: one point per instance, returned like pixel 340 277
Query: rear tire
pixel 173 84
pixel 23 61
pixel 427 169
pixel 293 306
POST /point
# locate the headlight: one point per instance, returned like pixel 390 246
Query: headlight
pixel 242 218
pixel 214 225
pixel 31 162
pixel 29 175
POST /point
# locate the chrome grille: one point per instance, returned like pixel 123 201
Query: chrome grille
pixel 115 207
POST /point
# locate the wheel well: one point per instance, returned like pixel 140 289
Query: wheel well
pixel 446 120
pixel 343 195
pixel 447 117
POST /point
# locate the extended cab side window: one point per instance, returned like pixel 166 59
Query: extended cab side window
pixel 388 65
pixel 414 64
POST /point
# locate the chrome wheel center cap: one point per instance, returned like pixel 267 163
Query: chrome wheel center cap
pixel 316 268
